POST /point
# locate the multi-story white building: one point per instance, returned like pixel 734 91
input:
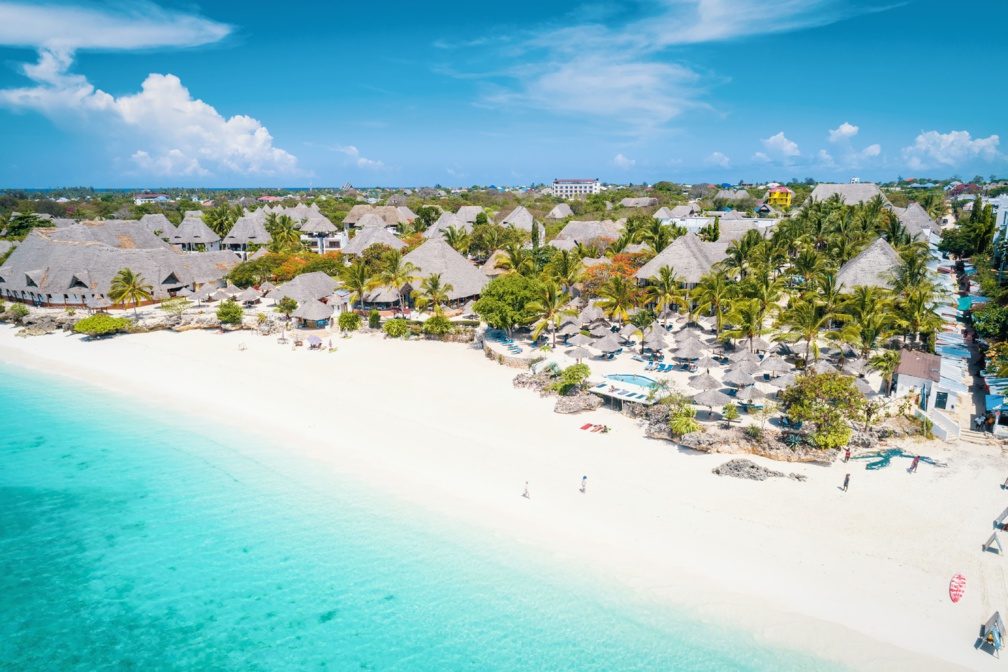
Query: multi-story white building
pixel 574 188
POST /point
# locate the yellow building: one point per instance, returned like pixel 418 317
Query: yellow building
pixel 779 197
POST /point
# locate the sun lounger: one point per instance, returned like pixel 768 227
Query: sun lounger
pixel 639 358
pixel 586 426
pixel 650 366
pixel 597 428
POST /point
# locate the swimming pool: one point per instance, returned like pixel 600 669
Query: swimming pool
pixel 633 379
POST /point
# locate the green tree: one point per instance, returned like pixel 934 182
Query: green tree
pixel 286 238
pixel 357 278
pixel 175 307
pixel 396 328
pixel 128 287
pixel 730 413
pixel 665 290
pixel 101 325
pixel 746 321
pixel 374 319
pixel 19 225
pixel 221 218
pixel 682 420
pixel 286 306
pixel 348 321
pixel 570 378
pixel 827 400
pixel 432 293
pixel 803 321
pixel 17 312
pixel 229 312
pixel 503 302
pixel 713 295
pixel 396 274
pixel 886 364
pixel 618 297
pixel 458 239
pixel 437 325
pixel 565 268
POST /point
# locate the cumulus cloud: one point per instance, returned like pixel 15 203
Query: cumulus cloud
pixel 174 134
pixel 871 151
pixel 718 159
pixel 845 131
pixel 826 159
pixel 761 157
pixel 932 148
pixel 623 162
pixel 357 159
pixel 781 146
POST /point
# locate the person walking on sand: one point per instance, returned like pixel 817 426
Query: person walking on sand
pixel 846 456
pixel 527 494
pixel 846 482
pixel 913 465
pixel 584 484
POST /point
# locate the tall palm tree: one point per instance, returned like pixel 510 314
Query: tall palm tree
pixel 129 287
pixel 656 235
pixel 516 259
pixel 746 320
pixel 807 265
pixel 358 280
pixel 803 321
pixel 565 268
pixel 396 274
pixel 761 285
pixel 221 218
pixel 458 239
pixel 917 315
pixel 618 297
pixel 713 294
pixel 665 290
pixel 886 363
pixel 589 250
pixel 549 309
pixel 285 235
pixel 432 293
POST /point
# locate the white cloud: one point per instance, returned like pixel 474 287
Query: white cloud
pixel 932 148
pixel 718 159
pixel 622 70
pixel 623 162
pixel 871 151
pixel 826 159
pixel 761 157
pixel 845 131
pixel 174 134
pixel 781 146
pixel 359 160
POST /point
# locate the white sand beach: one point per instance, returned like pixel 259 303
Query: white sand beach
pixel 859 577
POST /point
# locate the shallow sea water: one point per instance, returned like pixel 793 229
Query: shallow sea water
pixel 138 538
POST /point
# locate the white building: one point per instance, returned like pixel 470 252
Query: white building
pixel 575 188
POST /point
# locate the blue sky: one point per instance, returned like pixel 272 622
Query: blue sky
pixel 115 94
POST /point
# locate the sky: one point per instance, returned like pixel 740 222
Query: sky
pixel 228 94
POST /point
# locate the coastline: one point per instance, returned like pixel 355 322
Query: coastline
pixel 858 577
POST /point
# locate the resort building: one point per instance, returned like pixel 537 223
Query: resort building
pixel 372 235
pixel 446 220
pixel 921 372
pixel 469 213
pixel 321 235
pixel 246 232
pixel 561 211
pixel 391 214
pixel 438 257
pixel 778 197
pixel 584 232
pixel 917 221
pixel 305 288
pixel 75 265
pixel 856 192
pixel 690 258
pixel 142 199
pixel 874 267
pixel 193 234
pixel 575 188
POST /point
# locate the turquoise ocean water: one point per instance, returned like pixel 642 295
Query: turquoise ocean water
pixel 135 538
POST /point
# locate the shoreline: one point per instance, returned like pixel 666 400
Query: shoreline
pixel 859 578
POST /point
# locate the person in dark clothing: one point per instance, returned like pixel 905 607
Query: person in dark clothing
pixel 846 482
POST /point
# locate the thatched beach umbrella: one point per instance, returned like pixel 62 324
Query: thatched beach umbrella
pixel 736 377
pixel 749 394
pixel 759 344
pixel 608 344
pixel 712 398
pixel 249 295
pixel 185 293
pixel 267 287
pixel 590 314
pixel 219 295
pixel 743 356
pixel 748 366
pixel 776 365
pixel 628 331
pixel 600 330
pixel 579 353
pixel 655 340
pixel 707 362
pixel 821 367
pixel 581 339
pixel 689 351
pixel 857 366
pixel 783 381
pixel 568 329
pixel 704 381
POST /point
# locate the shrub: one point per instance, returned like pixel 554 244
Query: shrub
pixel 396 328
pixel 18 311
pixel 286 305
pixel 374 319
pixel 71 311
pixel 570 378
pixel 682 421
pixel 175 307
pixel 3 307
pixel 753 432
pixel 437 326
pixel 730 413
pixel 100 325
pixel 229 312
pixel 349 321
pixel 262 318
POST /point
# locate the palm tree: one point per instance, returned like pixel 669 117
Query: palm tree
pixel 803 320
pixel 665 290
pixel 285 234
pixel 747 319
pixel 807 266
pixel 432 293
pixel 886 363
pixel 397 273
pixel 129 287
pixel 358 280
pixel 516 259
pixel 565 268
pixel 458 239
pixel 588 250
pixel 762 286
pixel 656 235
pixel 916 314
pixel 221 218
pixel 713 294
pixel 618 296
pixel 549 309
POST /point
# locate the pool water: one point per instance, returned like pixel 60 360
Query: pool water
pixel 633 379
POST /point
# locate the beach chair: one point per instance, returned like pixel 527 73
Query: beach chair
pixel 638 358
pixel 649 366
pixel 586 426
pixel 596 428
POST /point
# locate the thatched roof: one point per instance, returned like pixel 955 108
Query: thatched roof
pixel 406 213
pixel 582 232
pixel 851 193
pixel 437 256
pixel 157 223
pixel 688 256
pixel 601 261
pixel 639 202
pixel 447 219
pixel 468 213
pixel 371 220
pixel 82 259
pixel 247 230
pixel 490 269
pixel 372 235
pixel 193 231
pixel 871 268
pixel 389 213
pixel 318 224
pixel 732 195
pixel 915 219
pixel 313 311
pixel 560 212
pixel 521 218
pixel 304 288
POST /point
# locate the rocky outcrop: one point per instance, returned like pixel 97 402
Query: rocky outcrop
pixel 536 382
pixel 50 321
pixel 577 402
pixel 749 470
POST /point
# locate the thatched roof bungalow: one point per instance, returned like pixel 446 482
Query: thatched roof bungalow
pixel 193 231
pixel 372 235
pixel 437 256
pixel 446 220
pixel 561 211
pixel 690 258
pixel 872 268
